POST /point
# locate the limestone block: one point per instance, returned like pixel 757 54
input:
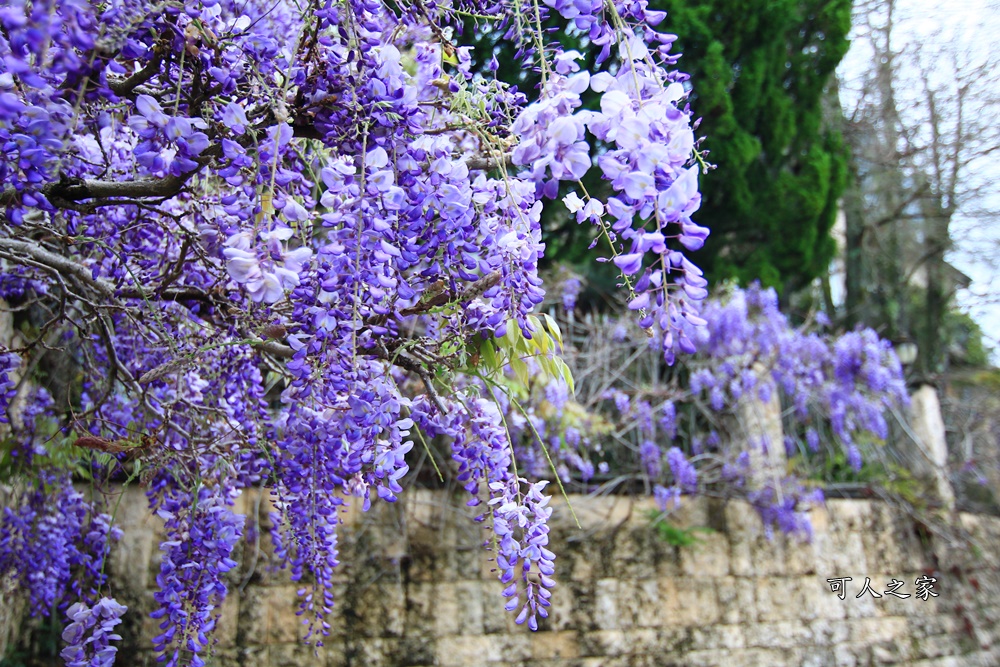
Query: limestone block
pixel 368 652
pixel 458 607
pixel 882 544
pixel 951 661
pixel 605 661
pixel 692 513
pixel 12 605
pixel 850 655
pixel 150 627
pixel 254 656
pixel 630 552
pixel 642 599
pixel 606 609
pixel 414 648
pixel 937 646
pixel 223 657
pixel 549 645
pixel 776 599
pixel 131 556
pixel 283 626
pixel 424 508
pixel 253 617
pixel 864 607
pixel 421 608
pixel 737 600
pixel 572 607
pixel 761 421
pixel 641 641
pixel 816 600
pixel 824 548
pixel 915 556
pixel 813 656
pixel 226 628
pixel 462 651
pixel 751 657
pixel 929 456
pixel 719 637
pixel 889 653
pixel 708 558
pixel 849 515
pixel 495 619
pixel 800 555
pixel 467 562
pixel 689 601
pixel 668 560
pixel 605 643
pixel 741 561
pixel 784 634
pixel 890 605
pixel 849 558
pixel 711 658
pixel 582 561
pixel 510 647
pixel 672 639
pixel 928 426
pixel 877 630
pixel 594 512
pixel 830 632
pixel 293 655
pixel 742 522
pixel 991 657
pixel 769 556
pixel 926 624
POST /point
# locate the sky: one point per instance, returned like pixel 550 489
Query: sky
pixel 925 30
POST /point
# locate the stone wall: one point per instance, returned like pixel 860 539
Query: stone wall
pixel 415 588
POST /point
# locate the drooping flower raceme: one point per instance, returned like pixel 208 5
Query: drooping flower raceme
pixel 90 632
pixel 269 238
pixel 55 542
pixel 268 271
pixel 656 187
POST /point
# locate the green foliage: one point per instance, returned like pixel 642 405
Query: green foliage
pixel 675 535
pixel 514 350
pixel 988 379
pixel 37 644
pixel 964 338
pixel 831 467
pixel 759 70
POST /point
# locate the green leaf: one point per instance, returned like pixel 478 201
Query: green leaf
pixel 488 356
pixel 566 373
pixel 520 370
pixel 553 329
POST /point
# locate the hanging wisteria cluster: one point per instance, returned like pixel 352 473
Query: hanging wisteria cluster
pixel 260 242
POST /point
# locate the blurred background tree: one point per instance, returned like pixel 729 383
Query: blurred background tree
pixel 762 70
pixel 922 119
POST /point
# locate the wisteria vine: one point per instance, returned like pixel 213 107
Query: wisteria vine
pixel 262 242
pixel 686 431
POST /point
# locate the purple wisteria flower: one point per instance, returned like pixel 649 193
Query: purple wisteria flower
pixel 55 542
pixel 201 532
pixel 268 271
pixel 9 363
pixel 89 635
pixel 336 179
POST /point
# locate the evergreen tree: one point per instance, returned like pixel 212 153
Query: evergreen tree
pixel 761 68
